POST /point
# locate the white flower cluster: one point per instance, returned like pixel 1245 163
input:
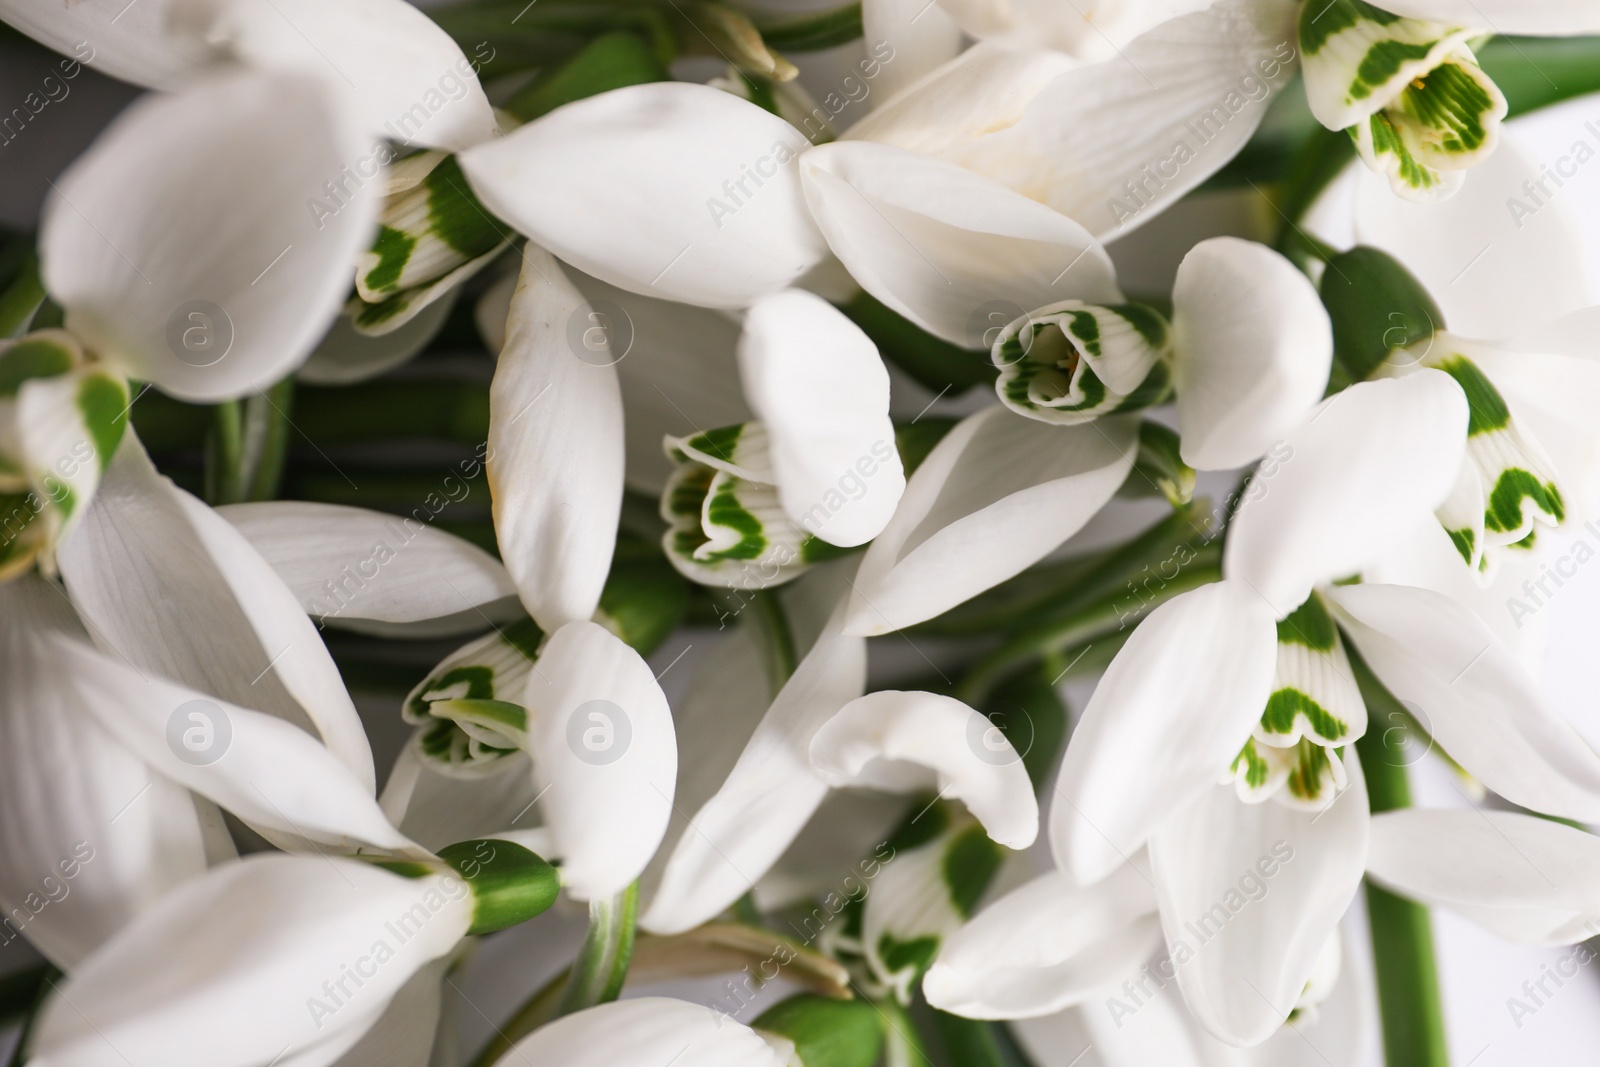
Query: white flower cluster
pixel 739 343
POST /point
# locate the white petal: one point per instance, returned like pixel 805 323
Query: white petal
pixel 739 833
pixel 1112 144
pixel 192 967
pixel 1249 894
pixel 404 1034
pixel 817 384
pixel 132 44
pixel 1253 347
pixel 903 742
pixel 985 89
pixel 646 1030
pixel 1550 376
pixel 1115 1034
pixel 90 834
pixel 944 246
pixel 1170 714
pixel 269 773
pixel 166 584
pixel 347 355
pixel 1346 483
pixel 436 810
pixel 996 495
pixel 1527 879
pixel 1554 18
pixel 351 563
pixel 1472 697
pixel 673 190
pixel 726 699
pixel 555 449
pixel 1492 270
pixel 1091 29
pixel 408 80
pixel 1045 946
pixel 181 245
pixel 601 737
pixel 917 38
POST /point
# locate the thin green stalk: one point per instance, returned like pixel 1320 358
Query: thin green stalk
pixel 224 458
pixel 777 638
pixel 1111 618
pixel 534 1013
pixel 902 1045
pixel 267 439
pixel 1402 934
pixel 22 295
pixel 812 31
pixel 602 964
pixel 967 1042
pixel 46 980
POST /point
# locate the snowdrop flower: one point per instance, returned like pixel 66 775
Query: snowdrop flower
pixel 1250 348
pixel 163 278
pixel 283 959
pixel 1401 78
pixel 1364 466
pixel 1092 31
pixel 819 733
pixel 401 75
pixel 752 505
pixel 181 677
pixel 1262 644
pixel 1516 339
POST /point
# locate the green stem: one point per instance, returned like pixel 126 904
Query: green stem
pixel 968 1042
pixel 534 1013
pixel 1402 934
pixel 267 432
pixel 902 1045
pixel 45 979
pixel 777 637
pixel 602 964
pixel 811 32
pixel 224 458
pixel 1110 619
pixel 23 294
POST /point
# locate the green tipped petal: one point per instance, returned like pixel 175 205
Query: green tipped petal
pixel 467 707
pixel 1409 91
pixel 726 525
pixel 432 236
pixel 1071 362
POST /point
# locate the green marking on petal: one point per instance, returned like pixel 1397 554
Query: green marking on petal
pixel 970 861
pixel 1250 767
pixel 33 357
pixel 1315 777
pixel 1466 542
pixel 103 405
pixel 720 443
pixel 1287 705
pixel 1385 151
pixel 1487 410
pixel 1320 22
pixel 1383 61
pixel 1454 110
pixel 1310 625
pixel 393 250
pixel 1059 363
pixel 724 509
pixel 728 531
pixel 455 215
pixel 1514 492
pixel 915 955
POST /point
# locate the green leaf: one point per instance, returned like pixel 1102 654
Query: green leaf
pixel 610 61
pixel 827 1032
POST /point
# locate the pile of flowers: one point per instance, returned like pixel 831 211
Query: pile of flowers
pixel 488 362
